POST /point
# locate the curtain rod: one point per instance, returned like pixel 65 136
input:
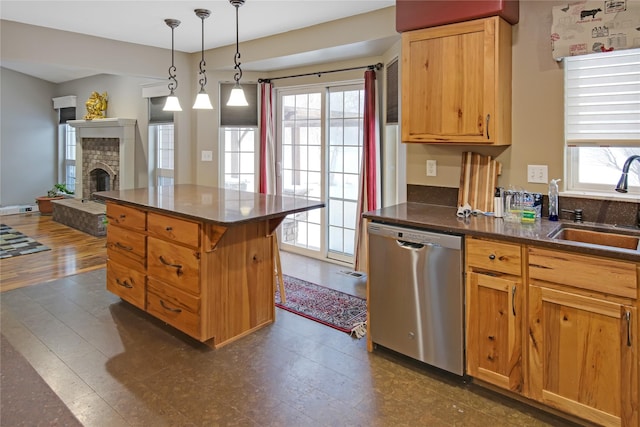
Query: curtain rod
pixel 377 66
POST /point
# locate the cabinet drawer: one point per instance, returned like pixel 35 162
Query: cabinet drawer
pixel 126 246
pixel 174 264
pixel 603 275
pixel 495 256
pixel 177 308
pixel 126 216
pixel 127 283
pixel 174 229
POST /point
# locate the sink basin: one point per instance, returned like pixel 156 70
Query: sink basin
pixel 600 237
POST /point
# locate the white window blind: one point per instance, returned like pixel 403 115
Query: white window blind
pixel 602 99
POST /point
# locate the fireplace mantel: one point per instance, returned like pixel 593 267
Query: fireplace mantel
pixel 101 123
pixel 122 129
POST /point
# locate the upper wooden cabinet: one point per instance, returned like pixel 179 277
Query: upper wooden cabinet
pixel 456 83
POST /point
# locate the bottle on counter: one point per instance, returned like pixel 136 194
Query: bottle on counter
pixel 553 200
pixel 498 202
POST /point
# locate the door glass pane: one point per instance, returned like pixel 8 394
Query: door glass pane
pixel 345 136
pixel 302 165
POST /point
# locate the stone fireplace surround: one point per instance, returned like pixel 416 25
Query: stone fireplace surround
pixel 106 145
pixel 105 154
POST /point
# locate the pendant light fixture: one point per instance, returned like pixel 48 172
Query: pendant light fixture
pixel 237 98
pixel 172 103
pixel 202 99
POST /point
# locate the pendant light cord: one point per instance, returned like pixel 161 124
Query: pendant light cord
pixel 203 75
pixel 173 82
pixel 238 75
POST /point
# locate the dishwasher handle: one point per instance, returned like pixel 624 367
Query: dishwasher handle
pixel 412 245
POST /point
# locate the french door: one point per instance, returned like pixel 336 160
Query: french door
pixel 319 153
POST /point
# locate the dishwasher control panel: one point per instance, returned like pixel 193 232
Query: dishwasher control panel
pixel 415 236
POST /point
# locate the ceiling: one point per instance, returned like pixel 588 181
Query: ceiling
pixel 142 22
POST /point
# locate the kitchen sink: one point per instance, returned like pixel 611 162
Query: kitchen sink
pixel 597 236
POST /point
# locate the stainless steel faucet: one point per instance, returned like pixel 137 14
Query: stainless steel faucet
pixel 622 184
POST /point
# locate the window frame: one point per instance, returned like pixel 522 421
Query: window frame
pixel 574 142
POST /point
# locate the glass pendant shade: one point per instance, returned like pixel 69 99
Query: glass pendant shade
pixel 172 104
pixel 202 101
pixel 237 98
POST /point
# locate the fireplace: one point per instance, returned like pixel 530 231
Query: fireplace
pixel 105 155
pixel 105 160
pixel 100 165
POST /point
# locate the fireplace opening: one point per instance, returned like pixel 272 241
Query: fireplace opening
pixel 99 180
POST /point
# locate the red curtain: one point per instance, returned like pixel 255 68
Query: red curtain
pixel 369 176
pixel 267 183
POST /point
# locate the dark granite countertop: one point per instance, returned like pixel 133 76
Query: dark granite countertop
pixel 444 219
pixel 211 204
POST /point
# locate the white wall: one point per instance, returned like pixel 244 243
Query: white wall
pixel 28 147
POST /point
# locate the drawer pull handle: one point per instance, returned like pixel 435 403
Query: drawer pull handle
pixel 168 264
pixel 513 300
pixel 627 316
pixel 169 228
pixel 123 216
pixel 121 246
pixel 124 284
pixel 166 307
pixel 492 257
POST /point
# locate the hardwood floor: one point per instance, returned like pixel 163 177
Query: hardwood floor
pixel 72 252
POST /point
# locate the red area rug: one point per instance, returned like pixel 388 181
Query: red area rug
pixel 327 306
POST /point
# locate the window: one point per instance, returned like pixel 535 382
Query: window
pixel 602 119
pixel 240 159
pixel 239 140
pixel 163 135
pixel 69 142
pixel 161 142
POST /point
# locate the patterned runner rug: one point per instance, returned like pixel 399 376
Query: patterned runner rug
pixel 333 308
pixel 14 243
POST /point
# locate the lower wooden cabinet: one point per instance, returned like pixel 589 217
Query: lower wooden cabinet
pixel 583 356
pixel 494 309
pixel 494 329
pixel 562 331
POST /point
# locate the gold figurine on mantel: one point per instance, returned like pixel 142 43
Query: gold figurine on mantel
pixel 96 106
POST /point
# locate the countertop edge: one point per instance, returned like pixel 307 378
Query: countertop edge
pixel 467 228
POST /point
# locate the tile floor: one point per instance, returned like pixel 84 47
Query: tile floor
pixel 113 365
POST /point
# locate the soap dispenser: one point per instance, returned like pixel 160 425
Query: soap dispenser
pixel 553 200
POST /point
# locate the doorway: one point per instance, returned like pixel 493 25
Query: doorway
pixel 320 152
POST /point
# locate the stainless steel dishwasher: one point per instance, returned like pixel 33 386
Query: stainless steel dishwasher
pixel 416 294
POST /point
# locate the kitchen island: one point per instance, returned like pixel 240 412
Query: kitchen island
pixel 198 258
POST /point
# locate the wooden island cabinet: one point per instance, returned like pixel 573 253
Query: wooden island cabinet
pixel 198 258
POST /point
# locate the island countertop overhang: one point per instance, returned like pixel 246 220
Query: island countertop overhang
pixel 211 204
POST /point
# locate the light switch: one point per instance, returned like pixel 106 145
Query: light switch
pixel 537 174
pixel 206 156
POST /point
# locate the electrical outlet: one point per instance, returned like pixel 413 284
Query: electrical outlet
pixel 431 168
pixel 537 174
pixel 207 156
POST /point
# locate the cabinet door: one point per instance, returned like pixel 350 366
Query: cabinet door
pixel 583 356
pixel 451 83
pixel 494 330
